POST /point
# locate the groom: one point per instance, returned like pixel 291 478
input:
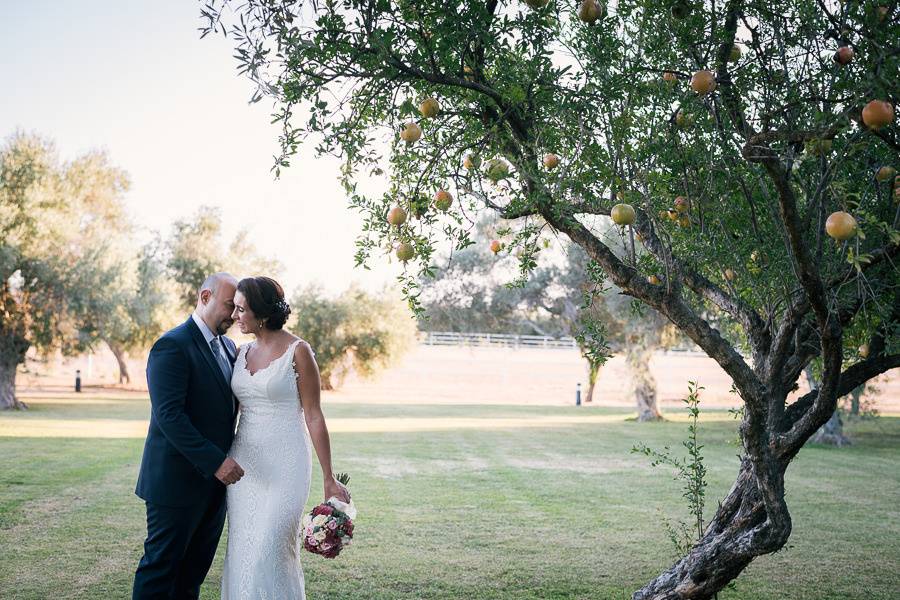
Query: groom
pixel 185 469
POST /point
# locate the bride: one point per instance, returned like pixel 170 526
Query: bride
pixel 276 381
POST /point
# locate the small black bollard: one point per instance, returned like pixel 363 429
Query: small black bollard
pixel 78 380
pixel 578 394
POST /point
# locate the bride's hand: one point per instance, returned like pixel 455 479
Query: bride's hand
pixel 335 488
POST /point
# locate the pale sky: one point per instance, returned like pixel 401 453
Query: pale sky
pixel 132 77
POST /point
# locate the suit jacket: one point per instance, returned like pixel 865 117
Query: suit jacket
pixel 191 419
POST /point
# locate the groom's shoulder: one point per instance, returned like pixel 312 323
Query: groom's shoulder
pixel 177 336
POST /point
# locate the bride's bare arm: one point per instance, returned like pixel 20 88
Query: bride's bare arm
pixel 309 385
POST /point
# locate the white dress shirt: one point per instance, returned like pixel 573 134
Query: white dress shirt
pixel 209 336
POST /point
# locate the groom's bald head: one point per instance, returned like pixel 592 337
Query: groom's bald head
pixel 213 282
pixel 215 301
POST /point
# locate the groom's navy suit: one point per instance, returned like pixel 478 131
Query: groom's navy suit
pixel 191 429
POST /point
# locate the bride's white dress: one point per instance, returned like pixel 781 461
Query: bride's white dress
pixel 266 505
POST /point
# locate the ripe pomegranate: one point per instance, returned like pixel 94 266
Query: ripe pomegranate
pixel 877 113
pixel 703 82
pixel 590 11
pixel 442 200
pixel 396 216
pixel 840 225
pixel 411 132
pixel 843 55
pixel 429 108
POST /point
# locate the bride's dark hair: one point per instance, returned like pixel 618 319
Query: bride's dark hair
pixel 265 297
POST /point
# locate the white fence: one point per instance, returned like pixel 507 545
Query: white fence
pixel 502 340
pixel 505 340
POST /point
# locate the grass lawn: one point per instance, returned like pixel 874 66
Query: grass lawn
pixel 479 501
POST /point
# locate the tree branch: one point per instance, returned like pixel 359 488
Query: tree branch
pixel 808 273
pixel 666 302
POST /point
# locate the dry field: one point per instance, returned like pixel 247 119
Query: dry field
pixel 459 375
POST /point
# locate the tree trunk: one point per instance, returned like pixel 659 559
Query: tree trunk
pixel 593 371
pixel 117 351
pixel 12 354
pixel 642 382
pixel 832 432
pixel 855 396
pixel 738 533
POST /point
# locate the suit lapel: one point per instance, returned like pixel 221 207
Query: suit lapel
pixel 207 354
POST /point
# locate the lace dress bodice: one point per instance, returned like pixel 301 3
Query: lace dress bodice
pixel 271 390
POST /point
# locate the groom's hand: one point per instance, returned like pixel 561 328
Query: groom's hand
pixel 229 472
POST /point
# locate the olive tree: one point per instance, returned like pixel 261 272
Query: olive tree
pixel 474 290
pixel 746 144
pixel 128 303
pixel 195 248
pixel 356 330
pixel 55 219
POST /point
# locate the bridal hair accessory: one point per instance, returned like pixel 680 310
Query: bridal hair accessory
pixel 328 528
pixel 283 307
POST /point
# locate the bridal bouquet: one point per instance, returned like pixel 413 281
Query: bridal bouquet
pixel 328 528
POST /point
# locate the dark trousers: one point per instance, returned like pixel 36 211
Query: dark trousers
pixel 179 549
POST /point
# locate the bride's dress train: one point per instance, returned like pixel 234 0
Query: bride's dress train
pixel 266 505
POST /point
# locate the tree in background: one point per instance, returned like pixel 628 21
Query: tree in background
pixel 356 331
pixel 71 275
pixel 603 322
pixel 475 292
pixel 53 216
pixel 130 305
pixel 125 300
pixel 472 291
pixel 746 144
pixel 195 250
